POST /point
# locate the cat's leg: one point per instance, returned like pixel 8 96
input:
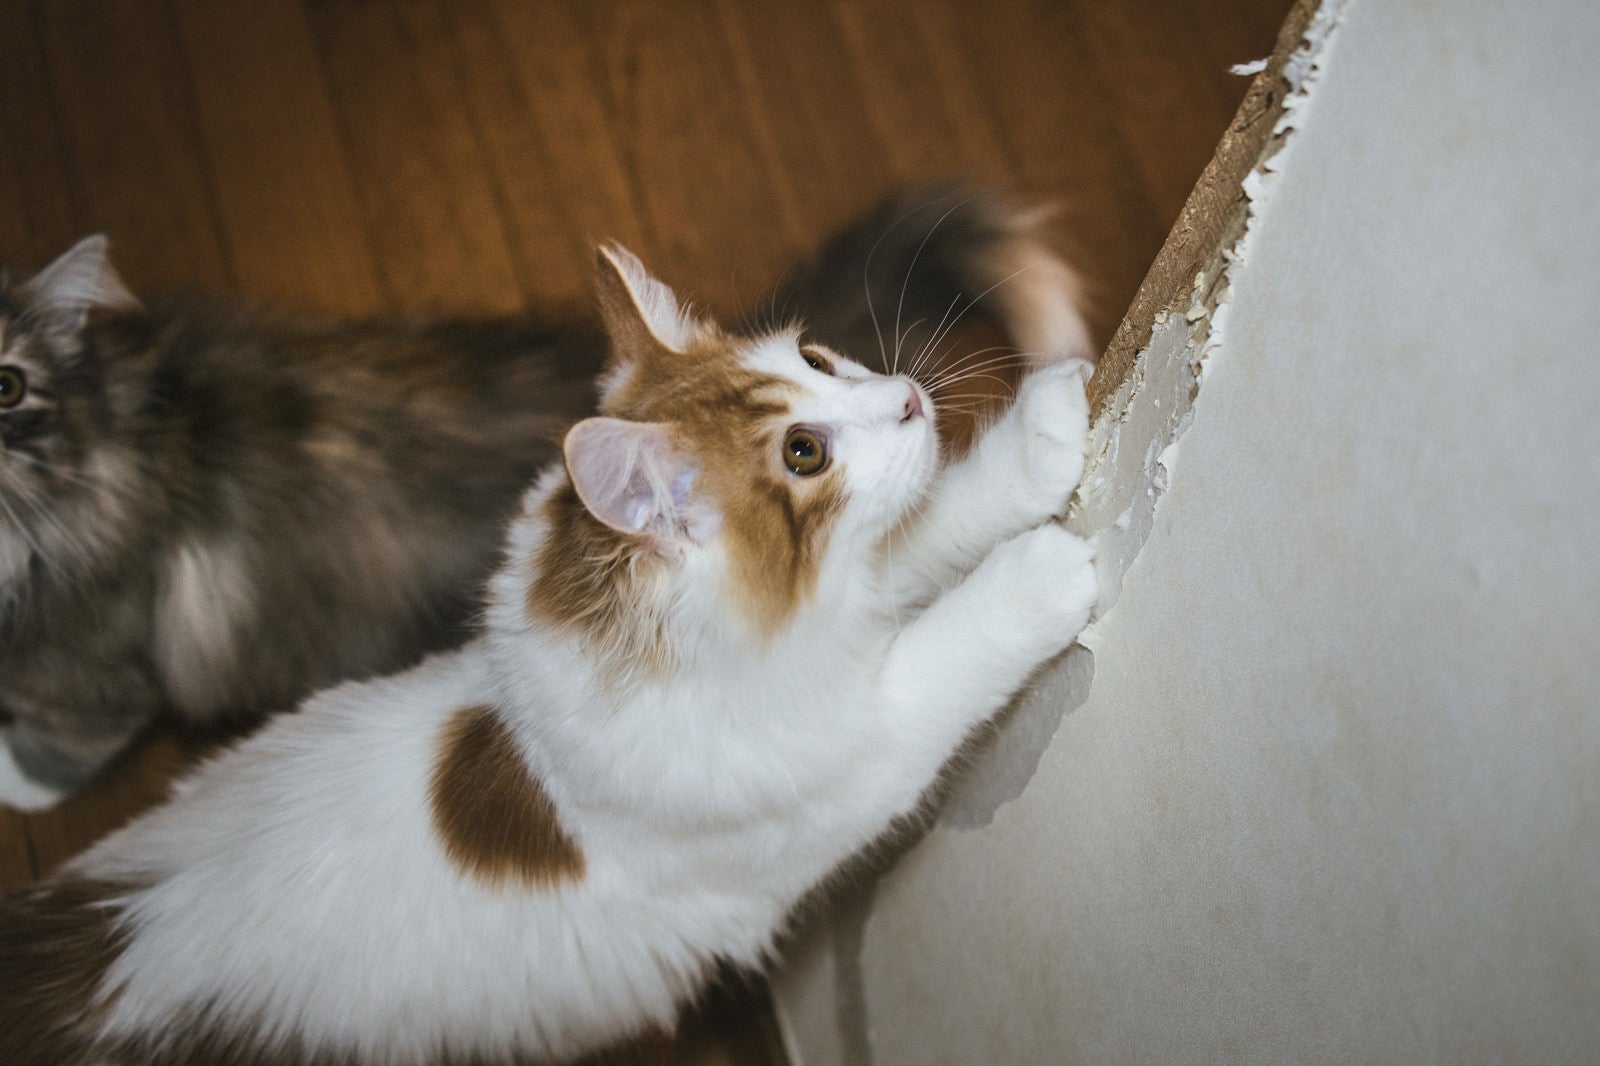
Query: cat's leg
pixel 1021 472
pixel 50 751
pixel 960 661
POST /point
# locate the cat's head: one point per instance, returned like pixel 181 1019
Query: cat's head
pixel 48 387
pixel 755 467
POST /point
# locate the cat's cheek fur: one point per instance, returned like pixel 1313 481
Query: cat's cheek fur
pixel 888 474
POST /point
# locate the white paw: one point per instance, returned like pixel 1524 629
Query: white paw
pixel 1054 412
pixel 17 790
pixel 1050 580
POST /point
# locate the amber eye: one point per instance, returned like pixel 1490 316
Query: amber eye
pixel 816 362
pixel 805 451
pixel 13 386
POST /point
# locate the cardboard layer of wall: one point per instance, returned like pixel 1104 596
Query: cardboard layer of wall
pixel 1322 784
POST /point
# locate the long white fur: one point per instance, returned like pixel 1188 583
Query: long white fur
pixel 296 882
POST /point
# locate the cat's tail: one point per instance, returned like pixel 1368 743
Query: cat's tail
pixel 893 282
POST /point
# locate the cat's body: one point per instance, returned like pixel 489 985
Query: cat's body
pixel 736 634
pixel 215 512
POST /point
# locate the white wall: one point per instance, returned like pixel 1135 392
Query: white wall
pixel 1334 791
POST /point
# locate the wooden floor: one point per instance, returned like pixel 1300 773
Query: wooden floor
pixel 361 155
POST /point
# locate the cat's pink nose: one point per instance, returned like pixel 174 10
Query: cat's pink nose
pixel 913 403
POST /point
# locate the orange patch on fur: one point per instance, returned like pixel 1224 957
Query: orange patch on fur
pixel 495 819
pixel 776 536
pixel 589 578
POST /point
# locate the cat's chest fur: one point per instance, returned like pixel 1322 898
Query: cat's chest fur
pixel 732 740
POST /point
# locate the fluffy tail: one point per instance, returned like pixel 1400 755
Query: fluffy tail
pixel 889 284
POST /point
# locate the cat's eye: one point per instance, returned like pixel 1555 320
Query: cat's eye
pixel 805 451
pixel 816 361
pixel 13 386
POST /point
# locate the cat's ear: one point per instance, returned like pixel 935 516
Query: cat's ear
pixel 631 477
pixel 81 280
pixel 642 315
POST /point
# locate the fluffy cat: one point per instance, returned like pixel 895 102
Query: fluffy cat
pixel 215 512
pixel 737 633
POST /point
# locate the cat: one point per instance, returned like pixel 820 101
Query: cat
pixel 214 512
pixel 739 628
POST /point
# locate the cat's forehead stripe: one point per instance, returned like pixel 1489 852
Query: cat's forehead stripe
pixel 707 381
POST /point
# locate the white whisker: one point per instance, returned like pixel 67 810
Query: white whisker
pixel 905 282
pixel 940 335
pixel 957 370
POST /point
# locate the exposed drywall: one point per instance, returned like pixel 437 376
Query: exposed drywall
pixel 1144 395
pixel 1332 794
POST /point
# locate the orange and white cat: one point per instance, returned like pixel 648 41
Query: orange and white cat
pixel 736 634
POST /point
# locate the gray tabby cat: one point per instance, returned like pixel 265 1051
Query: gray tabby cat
pixel 213 512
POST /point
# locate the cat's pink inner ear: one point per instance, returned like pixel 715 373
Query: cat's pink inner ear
pixel 630 476
pixel 80 280
pixel 641 313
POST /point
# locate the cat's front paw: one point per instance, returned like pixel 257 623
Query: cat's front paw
pixel 1053 410
pixel 1049 581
